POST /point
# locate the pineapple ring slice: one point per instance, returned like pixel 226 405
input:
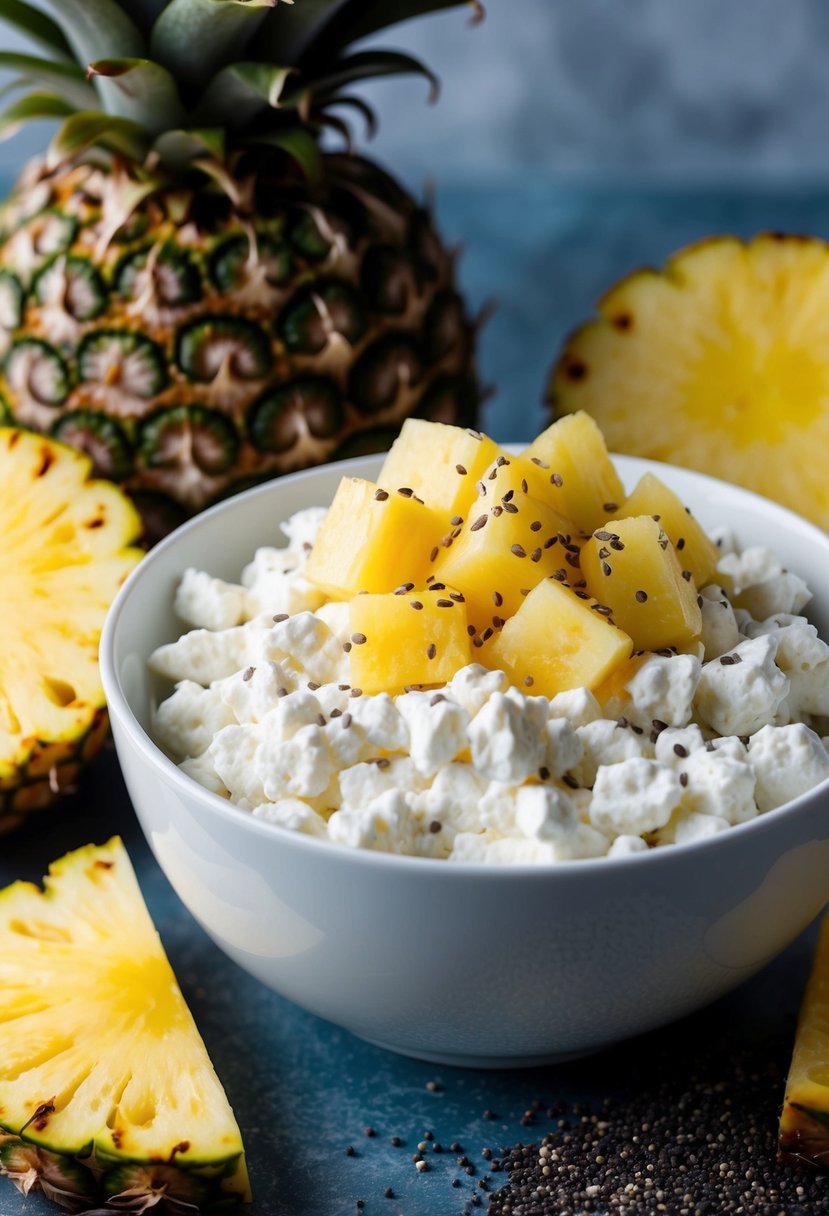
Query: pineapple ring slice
pixel 106 1087
pixel 65 544
pixel 718 362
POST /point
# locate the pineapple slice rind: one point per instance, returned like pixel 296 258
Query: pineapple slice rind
pixel 99 1054
pixel 804 1121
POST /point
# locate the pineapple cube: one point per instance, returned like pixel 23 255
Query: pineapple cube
pixel 696 551
pixel 417 637
pixel 441 463
pixel 634 570
pixel 501 554
pixel 372 540
pixel 515 479
pixel 558 640
pixel 583 481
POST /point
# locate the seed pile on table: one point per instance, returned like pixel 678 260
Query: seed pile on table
pixel 699 1141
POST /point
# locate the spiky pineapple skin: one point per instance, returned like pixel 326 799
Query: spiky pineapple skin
pixel 192 349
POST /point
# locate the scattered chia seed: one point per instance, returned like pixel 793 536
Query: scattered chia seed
pixel 641 597
pixel 359 639
pixel 478 524
pixel 248 673
pixel 416 604
pixel 460 470
pixel 395 1141
pixel 435 826
pixel 433 1087
pixel 356 692
pixel 281 616
pixel 497 599
pixel 406 491
pixel 431 650
pixel 680 751
pixel 518 550
pixel 699 1138
pixel 557 480
pixel 388 1193
pixel 683 779
pixel 351 1151
pixel 381 495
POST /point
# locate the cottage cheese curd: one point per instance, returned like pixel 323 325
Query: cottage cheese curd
pixel 263 714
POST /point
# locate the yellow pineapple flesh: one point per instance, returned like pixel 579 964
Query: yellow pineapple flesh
pixel 560 638
pixel 440 463
pixel 373 540
pixel 804 1121
pixel 106 1088
pixel 510 542
pixel 718 362
pixel 65 542
pixel 418 637
pixel 584 484
pixel 695 550
pixel 632 567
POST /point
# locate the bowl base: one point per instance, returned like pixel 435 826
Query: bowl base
pixel 458 1060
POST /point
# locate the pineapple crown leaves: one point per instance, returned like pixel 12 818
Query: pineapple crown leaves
pixel 172 85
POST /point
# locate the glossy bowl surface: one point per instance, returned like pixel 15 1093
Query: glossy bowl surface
pixel 463 963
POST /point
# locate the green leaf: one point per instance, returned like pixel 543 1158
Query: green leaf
pixel 299 145
pixel 62 78
pixel 142 91
pixel 90 127
pixel 363 65
pixel 37 27
pixel 319 29
pixel 359 19
pixel 362 107
pixel 194 38
pixel 238 93
pixel 96 29
pixel 178 148
pixel 144 12
pixel 27 109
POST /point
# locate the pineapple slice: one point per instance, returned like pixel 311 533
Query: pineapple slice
pixel 804 1121
pixel 584 484
pixel 634 570
pixel 417 637
pixel 106 1088
pixel 441 463
pixel 696 551
pixel 510 542
pixel 372 540
pixel 558 639
pixel 65 546
pixel 717 363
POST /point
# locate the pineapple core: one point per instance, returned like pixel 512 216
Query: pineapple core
pixel 557 641
pixel 441 463
pixel 584 485
pixel 372 540
pixel 632 568
pixel 418 637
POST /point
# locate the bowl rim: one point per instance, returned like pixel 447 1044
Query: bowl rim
pixel 231 814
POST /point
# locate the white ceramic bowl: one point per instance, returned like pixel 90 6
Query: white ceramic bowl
pixel 463 963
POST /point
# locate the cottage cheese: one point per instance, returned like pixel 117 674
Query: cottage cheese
pixel 262 713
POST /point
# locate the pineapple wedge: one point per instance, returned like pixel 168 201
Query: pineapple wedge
pixel 717 362
pixel 107 1093
pixel 804 1122
pixel 634 570
pixel 66 547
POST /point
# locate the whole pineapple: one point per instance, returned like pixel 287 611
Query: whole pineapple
pixel 191 290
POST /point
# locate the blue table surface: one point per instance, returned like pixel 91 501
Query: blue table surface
pixel 304 1090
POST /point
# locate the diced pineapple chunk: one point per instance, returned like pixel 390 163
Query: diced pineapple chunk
pixel 584 483
pixel 557 641
pixel 372 540
pixel 696 551
pixel 515 477
pixel 633 568
pixel 441 463
pixel 503 551
pixel 419 637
